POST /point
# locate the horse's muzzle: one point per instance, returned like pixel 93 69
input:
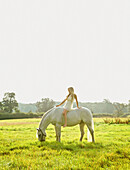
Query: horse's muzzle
pixel 43 140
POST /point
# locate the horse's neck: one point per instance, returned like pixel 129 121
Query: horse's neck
pixel 44 122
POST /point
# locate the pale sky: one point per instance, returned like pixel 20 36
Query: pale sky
pixel 49 45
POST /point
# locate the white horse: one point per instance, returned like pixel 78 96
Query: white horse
pixel 76 116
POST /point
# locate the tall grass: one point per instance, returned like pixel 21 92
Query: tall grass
pixel 117 121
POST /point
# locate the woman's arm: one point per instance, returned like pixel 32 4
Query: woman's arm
pixel 75 96
pixel 61 103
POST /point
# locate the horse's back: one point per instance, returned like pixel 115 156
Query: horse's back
pixel 75 116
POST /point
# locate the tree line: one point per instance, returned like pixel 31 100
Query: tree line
pixel 115 108
pixel 9 104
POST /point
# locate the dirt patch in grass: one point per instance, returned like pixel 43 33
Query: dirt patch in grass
pixel 16 123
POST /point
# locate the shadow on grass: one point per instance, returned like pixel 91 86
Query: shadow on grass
pixel 70 146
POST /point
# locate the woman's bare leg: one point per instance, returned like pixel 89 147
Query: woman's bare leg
pixel 64 113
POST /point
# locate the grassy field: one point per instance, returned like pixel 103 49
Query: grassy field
pixel 20 149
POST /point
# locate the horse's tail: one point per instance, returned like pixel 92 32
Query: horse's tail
pixel 89 137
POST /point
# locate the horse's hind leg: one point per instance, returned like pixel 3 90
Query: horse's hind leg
pixel 58 132
pixel 81 130
pixel 92 132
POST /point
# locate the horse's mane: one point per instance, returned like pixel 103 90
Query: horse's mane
pixel 46 114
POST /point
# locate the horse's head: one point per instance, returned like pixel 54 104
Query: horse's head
pixel 41 135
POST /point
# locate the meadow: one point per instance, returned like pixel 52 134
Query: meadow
pixel 20 149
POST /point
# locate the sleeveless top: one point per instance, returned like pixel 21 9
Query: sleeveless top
pixel 69 103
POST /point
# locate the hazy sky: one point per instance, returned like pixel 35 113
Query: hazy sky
pixel 49 45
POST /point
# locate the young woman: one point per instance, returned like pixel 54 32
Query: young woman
pixel 69 103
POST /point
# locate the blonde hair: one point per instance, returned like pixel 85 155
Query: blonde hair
pixel 71 92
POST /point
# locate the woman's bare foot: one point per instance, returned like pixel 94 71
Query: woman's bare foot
pixel 65 125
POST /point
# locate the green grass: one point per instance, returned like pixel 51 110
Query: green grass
pixel 20 149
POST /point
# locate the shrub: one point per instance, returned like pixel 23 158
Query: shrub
pixel 19 115
pixel 117 121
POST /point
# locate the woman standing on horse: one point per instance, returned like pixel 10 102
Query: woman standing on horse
pixel 69 103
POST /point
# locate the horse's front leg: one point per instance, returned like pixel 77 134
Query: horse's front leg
pixel 58 132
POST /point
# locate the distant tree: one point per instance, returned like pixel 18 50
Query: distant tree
pixel 129 107
pixel 107 106
pixel 119 108
pixel 9 103
pixel 1 107
pixel 17 110
pixel 45 104
pixel 106 101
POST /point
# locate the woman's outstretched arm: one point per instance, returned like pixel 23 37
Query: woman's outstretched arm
pixel 61 103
